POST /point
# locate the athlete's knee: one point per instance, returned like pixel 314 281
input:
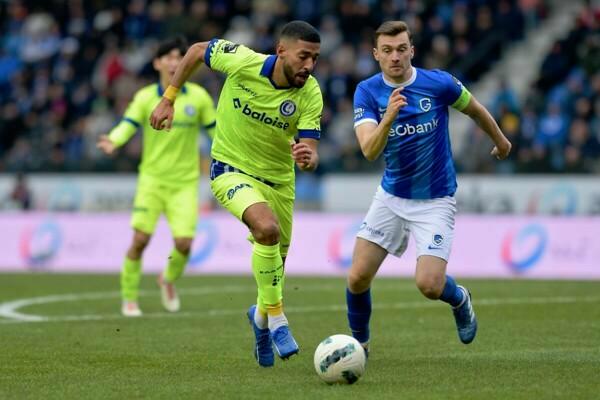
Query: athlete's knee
pixel 183 245
pixel 359 280
pixel 430 285
pixel 266 232
pixel 140 241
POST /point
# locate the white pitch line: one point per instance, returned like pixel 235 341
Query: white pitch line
pixel 9 309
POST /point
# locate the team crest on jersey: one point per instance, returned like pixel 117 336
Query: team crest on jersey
pixel 230 48
pixel 425 104
pixel 189 110
pixel 359 112
pixel 437 239
pixel 287 108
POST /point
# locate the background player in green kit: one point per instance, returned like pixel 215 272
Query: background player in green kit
pixel 168 178
pixel 266 101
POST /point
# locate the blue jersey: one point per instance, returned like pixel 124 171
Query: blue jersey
pixel 418 157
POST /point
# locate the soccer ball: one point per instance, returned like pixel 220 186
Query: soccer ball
pixel 340 359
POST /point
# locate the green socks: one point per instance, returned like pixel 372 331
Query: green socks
pixel 268 272
pixel 130 279
pixel 176 265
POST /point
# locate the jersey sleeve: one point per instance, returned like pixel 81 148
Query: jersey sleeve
pixel 455 93
pixel 309 123
pixel 132 120
pixel 227 57
pixel 365 109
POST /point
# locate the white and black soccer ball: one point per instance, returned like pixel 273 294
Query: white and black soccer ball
pixel 340 359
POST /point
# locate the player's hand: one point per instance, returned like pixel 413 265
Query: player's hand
pixel 162 116
pixel 396 101
pixel 105 144
pixel 502 150
pixel 302 155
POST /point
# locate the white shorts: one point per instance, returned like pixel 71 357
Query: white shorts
pixel 391 219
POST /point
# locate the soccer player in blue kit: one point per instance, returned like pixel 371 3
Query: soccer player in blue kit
pixel 402 112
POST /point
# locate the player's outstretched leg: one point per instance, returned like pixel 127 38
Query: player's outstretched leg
pixel 268 272
pixel 359 314
pixel 263 350
pixel 460 300
pixel 168 293
pixel 284 343
pixel 130 282
pixel 466 322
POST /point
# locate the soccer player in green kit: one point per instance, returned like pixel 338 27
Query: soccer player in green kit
pixel 266 101
pixel 168 174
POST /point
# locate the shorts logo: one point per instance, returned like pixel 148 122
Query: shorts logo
pixel 425 104
pixel 287 108
pixel 438 239
pixel 371 230
pixel 190 110
pixel 230 48
pixel 231 192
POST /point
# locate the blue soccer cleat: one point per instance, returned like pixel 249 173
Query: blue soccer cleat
pixel 263 352
pixel 466 323
pixel 284 342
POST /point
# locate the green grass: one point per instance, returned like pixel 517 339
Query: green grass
pixel 537 340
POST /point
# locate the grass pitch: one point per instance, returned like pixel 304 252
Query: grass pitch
pixel 61 337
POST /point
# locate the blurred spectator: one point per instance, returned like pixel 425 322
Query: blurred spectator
pixel 505 97
pixel 68 68
pixel 20 196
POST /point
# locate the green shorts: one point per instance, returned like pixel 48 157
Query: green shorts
pixel 236 192
pixel 179 203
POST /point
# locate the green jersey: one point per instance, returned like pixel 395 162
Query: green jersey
pixel 256 119
pixel 171 157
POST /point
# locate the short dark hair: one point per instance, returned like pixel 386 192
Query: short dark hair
pixel 300 30
pixel 174 43
pixel 392 28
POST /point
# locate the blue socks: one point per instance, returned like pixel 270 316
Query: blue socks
pixel 359 307
pixel 452 294
pixel 359 313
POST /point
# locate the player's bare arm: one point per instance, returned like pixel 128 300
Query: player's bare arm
pixel 373 138
pixel 162 116
pixel 106 145
pixel 305 154
pixel 485 121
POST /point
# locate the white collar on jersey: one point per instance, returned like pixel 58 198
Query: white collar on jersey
pixel 403 84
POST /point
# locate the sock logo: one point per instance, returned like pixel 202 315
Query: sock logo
pixel 276 279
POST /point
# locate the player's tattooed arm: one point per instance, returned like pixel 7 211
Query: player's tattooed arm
pixel 373 138
pixel 485 121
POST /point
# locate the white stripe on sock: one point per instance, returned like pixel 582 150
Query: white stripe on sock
pixel 260 319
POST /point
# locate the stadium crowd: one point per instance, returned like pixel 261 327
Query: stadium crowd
pixel 68 69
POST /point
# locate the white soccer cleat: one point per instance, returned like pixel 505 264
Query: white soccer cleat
pixel 130 309
pixel 168 295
